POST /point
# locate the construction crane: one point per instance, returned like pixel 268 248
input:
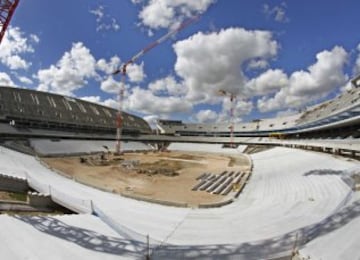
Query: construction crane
pixel 232 98
pixel 123 68
pixel 7 8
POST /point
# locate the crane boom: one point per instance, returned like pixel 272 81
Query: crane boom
pixel 122 70
pixel 7 8
pixel 156 43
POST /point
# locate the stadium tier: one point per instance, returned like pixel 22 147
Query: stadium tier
pixel 292 204
pixel 30 109
pixel 293 197
pixel 339 117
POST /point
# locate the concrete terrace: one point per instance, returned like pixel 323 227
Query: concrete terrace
pixel 286 197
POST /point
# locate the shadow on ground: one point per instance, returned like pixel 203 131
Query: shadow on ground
pixel 264 249
pixel 83 237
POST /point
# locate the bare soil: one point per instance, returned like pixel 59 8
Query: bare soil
pixel 11 196
pixel 5 196
pixel 166 176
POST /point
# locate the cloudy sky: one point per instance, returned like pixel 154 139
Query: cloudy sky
pixel 276 56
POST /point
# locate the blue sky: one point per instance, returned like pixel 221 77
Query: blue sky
pixel 276 56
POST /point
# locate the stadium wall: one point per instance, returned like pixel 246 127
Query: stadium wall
pixel 25 110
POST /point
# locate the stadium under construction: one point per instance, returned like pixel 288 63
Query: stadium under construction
pixel 300 196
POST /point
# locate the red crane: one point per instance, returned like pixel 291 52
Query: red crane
pixel 122 70
pixel 7 8
pixel 232 108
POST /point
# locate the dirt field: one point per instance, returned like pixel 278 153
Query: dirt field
pixel 166 176
pixel 5 195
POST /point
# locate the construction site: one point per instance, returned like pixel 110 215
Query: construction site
pixel 86 176
pixel 172 178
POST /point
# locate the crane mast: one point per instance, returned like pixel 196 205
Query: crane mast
pixel 7 8
pixel 122 70
pixel 232 98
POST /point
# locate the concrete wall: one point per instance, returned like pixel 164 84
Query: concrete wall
pixel 39 200
pixel 13 184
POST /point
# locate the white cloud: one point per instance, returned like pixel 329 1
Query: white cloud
pixel 70 73
pixel 111 103
pixel 150 33
pixel 93 99
pixel 206 116
pixel 16 62
pixel 77 66
pixel 34 38
pixel 306 86
pixel 97 99
pixel 25 80
pixel 135 72
pixel 257 64
pixel 323 76
pixel 241 107
pixel 137 1
pixel 109 85
pixel 357 62
pixel 5 80
pixel 144 101
pixel 288 112
pixel 108 67
pixel 277 102
pixel 210 62
pixel 114 25
pixel 158 14
pixel 278 13
pixel 104 22
pixel 98 12
pixel 206 63
pixel 168 86
pixel 111 25
pixel 14 45
pixel 268 82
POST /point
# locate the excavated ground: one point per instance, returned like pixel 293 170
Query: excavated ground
pixel 165 176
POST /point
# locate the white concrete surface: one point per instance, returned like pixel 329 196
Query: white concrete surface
pixel 52 147
pixel 285 196
pixel 208 148
pixel 342 243
pixel 63 237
